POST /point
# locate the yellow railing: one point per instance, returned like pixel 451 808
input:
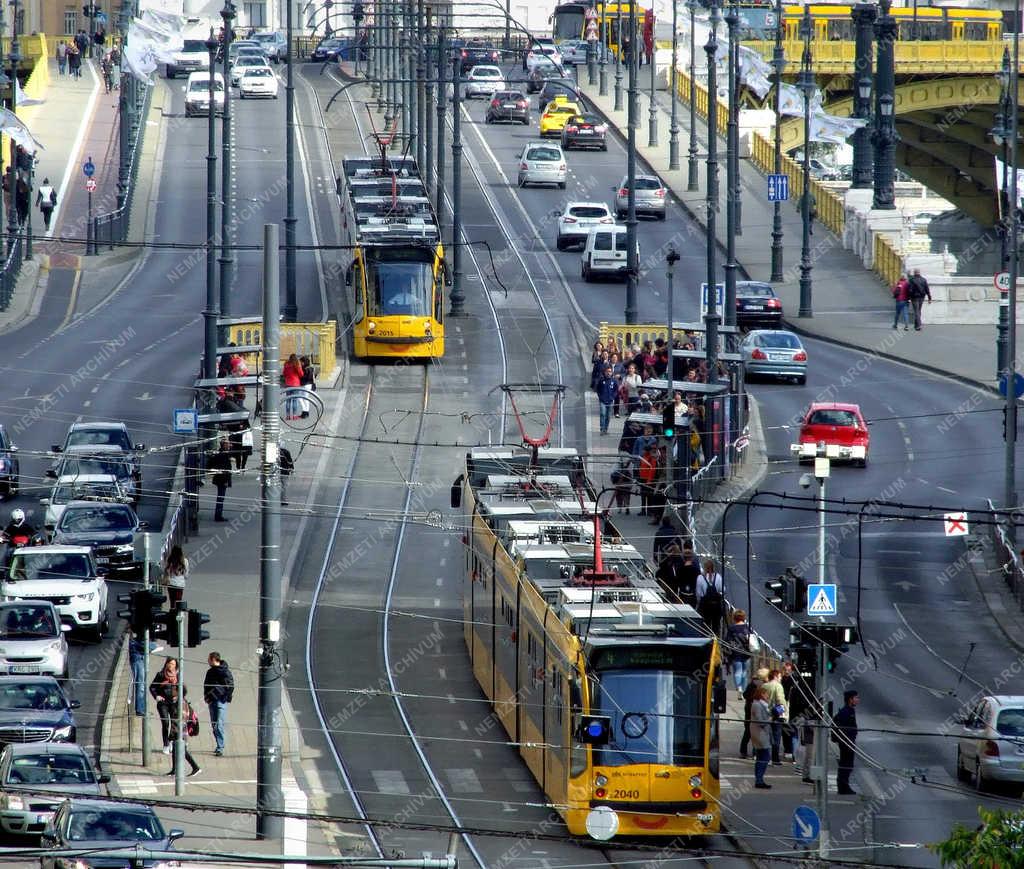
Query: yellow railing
pixel 911 57
pixel 35 53
pixel 629 336
pixel 315 340
pixel 888 261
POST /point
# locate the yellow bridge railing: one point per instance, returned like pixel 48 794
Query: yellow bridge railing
pixel 888 261
pixel 315 340
pixel 912 57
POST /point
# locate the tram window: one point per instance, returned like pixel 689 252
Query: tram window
pixel 403 288
pixel 840 29
pixel 976 31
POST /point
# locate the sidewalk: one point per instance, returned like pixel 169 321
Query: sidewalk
pixel 851 305
pixel 224 582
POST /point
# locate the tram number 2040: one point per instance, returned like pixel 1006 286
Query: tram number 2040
pixel 625 795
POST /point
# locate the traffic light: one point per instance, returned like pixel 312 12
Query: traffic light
pixel 788 592
pixel 89 10
pixel 776 589
pixel 165 627
pixel 668 421
pixel 357 13
pixel 595 729
pixel 143 606
pixel 196 634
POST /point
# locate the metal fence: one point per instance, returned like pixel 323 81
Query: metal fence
pixel 185 518
pixel 1008 557
pixel 111 228
pixel 9 272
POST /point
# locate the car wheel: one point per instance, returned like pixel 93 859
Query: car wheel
pixel 802 380
pixel 522 183
pixel 862 463
pixel 241 95
pixel 561 185
pixel 619 215
pixel 559 244
pixel 604 147
pixel 662 216
pixel 586 274
pixel 526 121
pixel 977 779
pixel 961 773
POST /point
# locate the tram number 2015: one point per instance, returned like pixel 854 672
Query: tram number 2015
pixel 625 795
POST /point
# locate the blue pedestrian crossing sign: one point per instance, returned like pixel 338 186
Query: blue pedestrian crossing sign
pixel 821 600
pixel 778 188
pixel 185 420
pixel 719 299
pixel 806 824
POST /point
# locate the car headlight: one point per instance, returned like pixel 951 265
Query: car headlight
pixel 88 596
pixel 15 802
pixel 62 734
pixel 125 547
pixel 55 646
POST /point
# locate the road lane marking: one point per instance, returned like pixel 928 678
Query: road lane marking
pixel 464 781
pixel 390 781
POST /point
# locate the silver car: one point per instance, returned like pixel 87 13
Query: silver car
pixel 991 747
pixel 274 45
pixel 651 196
pixel 774 353
pixel 32 640
pixel 36 778
pixel 576 221
pixel 484 81
pixel 542 163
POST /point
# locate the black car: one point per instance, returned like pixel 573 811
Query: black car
pixel 109 529
pixel 328 49
pixel 474 53
pixel 757 305
pixel 86 825
pixel 540 74
pixel 585 131
pixel 10 470
pixel 508 106
pixel 563 86
pixel 35 709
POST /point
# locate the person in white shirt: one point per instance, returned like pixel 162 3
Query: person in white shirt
pixel 631 382
pixel 46 199
pixel 711 596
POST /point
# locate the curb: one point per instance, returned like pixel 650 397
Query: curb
pixel 994 600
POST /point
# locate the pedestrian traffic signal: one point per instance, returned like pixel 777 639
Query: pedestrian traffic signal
pixel 142 607
pixel 196 634
pixel 165 627
pixel 788 592
pixel 776 589
pixel 668 421
pixel 595 729
pixel 357 13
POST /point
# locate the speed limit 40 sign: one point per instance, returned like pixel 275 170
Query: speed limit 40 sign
pixel 1002 282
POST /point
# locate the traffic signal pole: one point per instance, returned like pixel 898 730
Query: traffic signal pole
pixel 821 750
pixel 179 742
pixel 145 657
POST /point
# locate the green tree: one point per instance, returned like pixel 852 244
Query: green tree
pixel 998 843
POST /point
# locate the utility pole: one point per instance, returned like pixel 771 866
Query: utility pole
pixel 145 655
pixel 212 312
pixel 291 306
pixel 427 167
pixel 821 739
pixel 179 742
pixel 227 202
pixel 671 258
pixel 673 86
pixel 732 144
pixel 407 69
pixel 1010 497
pixel 269 799
pixel 420 93
pixel 734 99
pixel 691 181
pixel 1001 136
pixel 807 86
pixel 632 260
pixel 14 57
pixel 618 57
pixel 442 99
pixel 779 63
pixel 458 298
pixel 864 25
pixel 884 136
pixel 712 318
pixel 652 113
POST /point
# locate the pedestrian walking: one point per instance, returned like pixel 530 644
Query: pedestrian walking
pixel 919 291
pixel 607 391
pixel 74 54
pixel 789 731
pixel 191 728
pixel 760 736
pixel 738 639
pixel 622 481
pixel 22 199
pixel 285 466
pixel 164 689
pixel 175 575
pixel 749 695
pixel 631 383
pixel 137 664
pixel 844 733
pixel 665 537
pixel 62 57
pixel 220 464
pixel 779 710
pixel 647 472
pixel 901 293
pixel 291 375
pixel 46 199
pixel 711 597
pixel 218 692
pixel 107 70
pixel 308 382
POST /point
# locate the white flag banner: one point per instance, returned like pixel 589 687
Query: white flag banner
pixel 792 102
pixel 20 99
pixel 15 127
pixel 163 44
pixel 752 63
pixel 139 55
pixel 173 7
pixel 758 84
pixel 829 128
pixel 168 25
pixel 1000 168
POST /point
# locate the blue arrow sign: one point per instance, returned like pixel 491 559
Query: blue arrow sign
pixel 821 600
pixel 1018 381
pixel 89 168
pixel 806 824
pixel 778 188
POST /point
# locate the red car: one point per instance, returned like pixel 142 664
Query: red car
pixel 840 426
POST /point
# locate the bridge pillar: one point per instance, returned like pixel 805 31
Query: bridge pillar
pixel 864 15
pixel 884 136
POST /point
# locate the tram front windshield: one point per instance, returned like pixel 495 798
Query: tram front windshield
pixel 656 711
pixel 403 286
pixel 568 22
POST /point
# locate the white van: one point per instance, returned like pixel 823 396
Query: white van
pixel 605 253
pixel 197 94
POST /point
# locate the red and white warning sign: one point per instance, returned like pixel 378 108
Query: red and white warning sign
pixel 90 185
pixel 591 34
pixel 956 524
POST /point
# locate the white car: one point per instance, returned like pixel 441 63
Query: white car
pixel 32 639
pixel 66 576
pixel 484 81
pixel 243 63
pixel 197 94
pixel 574 51
pixel 81 487
pixel 274 45
pixel 258 81
pixel 991 747
pixel 576 221
pixel 605 253
pixel 539 53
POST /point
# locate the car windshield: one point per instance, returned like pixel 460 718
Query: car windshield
pixel 486 72
pixel 197 87
pixel 833 417
pixel 113 437
pixel 648 184
pixel 194 45
pixel 110 824
pixel 50 769
pixel 588 119
pixel 21 622
pixel 259 72
pixel 250 60
pixel 563 109
pixel 588 211
pixel 42 696
pixel 755 290
pixel 1010 722
pixel 544 155
pixel 64 493
pixel 780 339
pixel 48 565
pixel 265 37
pixel 76 467
pixel 546 68
pixel 403 288
pixel 78 519
pixel 509 96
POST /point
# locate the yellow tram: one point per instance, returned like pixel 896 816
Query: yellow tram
pixel 610 692
pixel 397 273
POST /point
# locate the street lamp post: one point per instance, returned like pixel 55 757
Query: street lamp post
pixel 779 63
pixel 1010 496
pixel 602 60
pixel 671 258
pixel 673 86
pixel 458 298
pixel 227 202
pixel 618 57
pixel 632 260
pixel 1001 136
pixel 864 24
pixel 14 57
pixel 732 145
pixel 692 170
pixel 807 88
pixel 212 312
pixel 421 90
pixel 291 306
pixel 712 317
pixel 652 114
pixel 884 137
pixel 442 99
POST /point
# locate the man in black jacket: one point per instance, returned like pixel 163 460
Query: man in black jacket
pixel 218 691
pixel 919 291
pixel 220 466
pixel 845 734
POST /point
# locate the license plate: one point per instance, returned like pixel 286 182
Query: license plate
pixel 23 668
pixel 509 106
pixel 778 357
pixel 755 307
pixel 586 132
pixel 43 819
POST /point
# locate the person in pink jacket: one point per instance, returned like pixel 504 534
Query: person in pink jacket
pixel 901 293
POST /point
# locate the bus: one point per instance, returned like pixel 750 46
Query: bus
pixel 609 689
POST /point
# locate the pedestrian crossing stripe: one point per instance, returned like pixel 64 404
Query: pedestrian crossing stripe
pixel 822 600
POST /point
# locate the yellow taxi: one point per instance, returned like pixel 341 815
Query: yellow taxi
pixel 555 116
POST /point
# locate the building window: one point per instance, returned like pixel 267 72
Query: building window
pixel 70 21
pixel 256 14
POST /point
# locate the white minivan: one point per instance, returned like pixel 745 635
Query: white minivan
pixel 197 94
pixel 605 253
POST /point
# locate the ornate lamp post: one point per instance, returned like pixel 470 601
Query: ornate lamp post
pixel 673 86
pixel 691 180
pixel 884 136
pixel 807 87
pixel 618 57
pixel 732 143
pixel 227 202
pixel 864 21
pixel 712 319
pixel 779 62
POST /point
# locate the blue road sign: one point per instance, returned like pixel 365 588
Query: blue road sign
pixel 89 168
pixel 821 600
pixel 806 824
pixel 778 188
pixel 1018 380
pixel 719 299
pixel 186 420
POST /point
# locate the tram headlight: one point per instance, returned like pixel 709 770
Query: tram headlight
pixel 600 780
pixel 371 327
pixel 695 781
pixel 426 326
